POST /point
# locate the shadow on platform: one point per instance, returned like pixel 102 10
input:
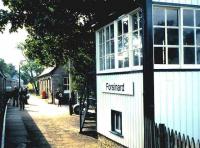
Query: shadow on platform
pixel 21 130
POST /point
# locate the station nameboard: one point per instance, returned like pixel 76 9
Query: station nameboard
pixel 124 88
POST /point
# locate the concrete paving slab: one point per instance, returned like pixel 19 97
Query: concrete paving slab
pixel 43 125
pixel 16 134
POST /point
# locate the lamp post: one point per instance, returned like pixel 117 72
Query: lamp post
pixel 20 72
pixel 19 77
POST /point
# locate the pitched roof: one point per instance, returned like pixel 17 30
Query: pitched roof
pixel 47 71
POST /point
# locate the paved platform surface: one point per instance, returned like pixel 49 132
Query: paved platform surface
pixel 43 125
pixel 16 134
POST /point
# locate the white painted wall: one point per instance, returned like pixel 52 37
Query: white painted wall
pixel 189 2
pixel 130 106
pixel 177 101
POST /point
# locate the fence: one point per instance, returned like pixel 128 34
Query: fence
pixel 158 136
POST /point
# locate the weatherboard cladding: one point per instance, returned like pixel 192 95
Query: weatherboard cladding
pixel 177 101
pixel 51 79
pixel 131 106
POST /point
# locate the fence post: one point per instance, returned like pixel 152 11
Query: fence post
pixel 172 139
pixel 183 142
pixel 192 143
pixel 179 140
pixel 198 144
pixel 168 138
pixel 162 135
pixel 188 143
pixel 175 140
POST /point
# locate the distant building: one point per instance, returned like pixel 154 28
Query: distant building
pixel 51 79
pixel 14 81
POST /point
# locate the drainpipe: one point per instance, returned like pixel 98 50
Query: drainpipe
pixel 148 64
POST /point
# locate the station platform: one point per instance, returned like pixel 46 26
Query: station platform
pixel 16 135
pixel 43 125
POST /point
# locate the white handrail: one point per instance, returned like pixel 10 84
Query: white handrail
pixel 3 129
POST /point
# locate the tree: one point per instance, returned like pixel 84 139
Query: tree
pixel 30 70
pixel 8 69
pixel 46 51
pixel 61 30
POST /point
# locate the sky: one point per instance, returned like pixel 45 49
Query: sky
pixel 8 45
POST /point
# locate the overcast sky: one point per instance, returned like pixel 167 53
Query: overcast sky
pixel 8 45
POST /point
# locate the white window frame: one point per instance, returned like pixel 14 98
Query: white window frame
pixel 103 57
pixel 138 30
pixel 181 64
pixel 166 46
pixel 195 46
pixel 104 46
pixel 109 55
pixel 67 84
pixel 123 49
pixel 130 51
pixel 116 116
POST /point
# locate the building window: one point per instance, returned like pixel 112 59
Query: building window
pixel 188 36
pixel 137 38
pixel 110 58
pixel 102 49
pixel 191 36
pixel 175 39
pixel 116 122
pixel 120 43
pixel 106 48
pixel 166 35
pixel 123 43
pixel 66 83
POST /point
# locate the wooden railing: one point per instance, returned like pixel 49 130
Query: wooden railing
pixel 159 136
pixel 82 112
pixel 87 115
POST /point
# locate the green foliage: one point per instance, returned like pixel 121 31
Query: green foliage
pixel 30 70
pixel 46 50
pixel 8 69
pixel 59 31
